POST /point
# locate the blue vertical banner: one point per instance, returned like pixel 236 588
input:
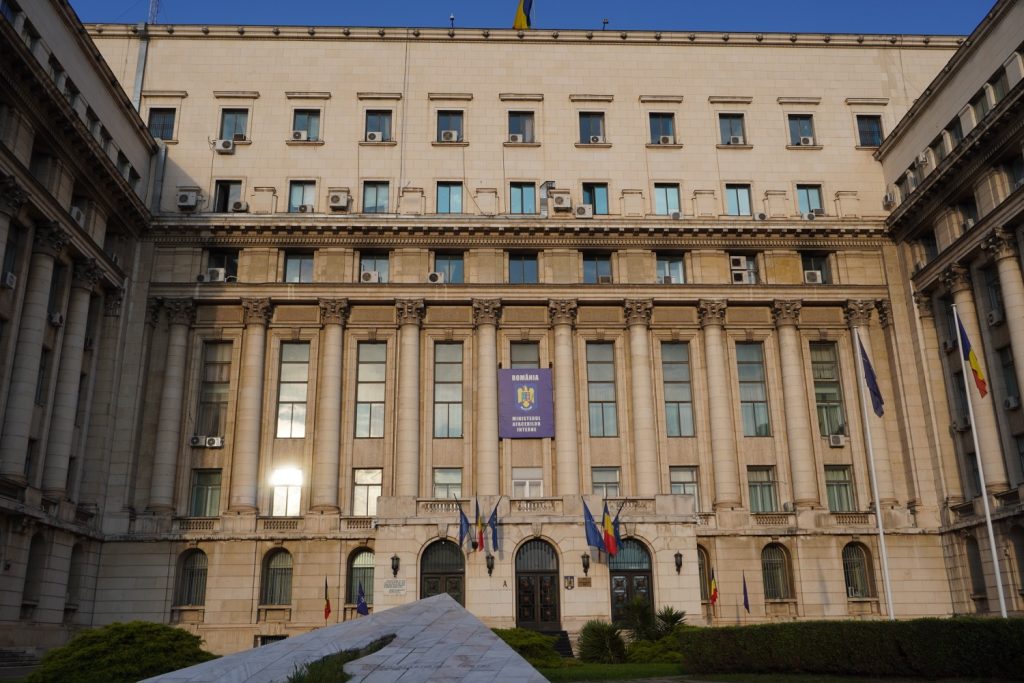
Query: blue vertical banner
pixel 525 406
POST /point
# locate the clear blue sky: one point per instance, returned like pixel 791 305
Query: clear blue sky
pixel 834 16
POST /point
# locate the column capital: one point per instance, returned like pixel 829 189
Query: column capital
pixel 180 311
pixel 1001 244
pixel 711 312
pixel 858 313
pixel 50 239
pixel 884 309
pixel 410 311
pixel 562 312
pixel 956 278
pixel 112 301
pixel 924 304
pixel 256 311
pixel 86 274
pixel 638 311
pixel 486 312
pixel 786 312
pixel 153 305
pixel 12 196
pixel 333 311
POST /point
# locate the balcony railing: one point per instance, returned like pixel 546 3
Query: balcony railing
pixel 192 524
pixel 536 506
pixel 772 519
pixel 279 523
pixel 852 518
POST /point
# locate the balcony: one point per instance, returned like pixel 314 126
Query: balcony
pixel 536 506
pixel 279 524
pixel 852 518
pixel 196 524
pixel 773 519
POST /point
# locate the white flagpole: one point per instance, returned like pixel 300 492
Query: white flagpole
pixel 862 385
pixel 981 469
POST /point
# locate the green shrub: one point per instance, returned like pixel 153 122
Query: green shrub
pixel 331 669
pixel 601 642
pixel 638 619
pixel 536 648
pixel 925 648
pixel 667 619
pixel 661 651
pixel 122 652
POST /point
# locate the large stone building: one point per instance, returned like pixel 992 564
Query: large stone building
pixel 285 371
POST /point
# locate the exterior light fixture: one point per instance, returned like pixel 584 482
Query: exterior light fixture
pixel 679 561
pixel 586 563
pixel 490 564
pixel 396 561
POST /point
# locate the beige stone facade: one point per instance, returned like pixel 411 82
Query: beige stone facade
pixel 351 230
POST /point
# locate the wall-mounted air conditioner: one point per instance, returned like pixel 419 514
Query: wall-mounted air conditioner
pixel 435 278
pixel 239 206
pixel 224 146
pixel 515 137
pixel 596 139
pixel 836 440
pixel 369 276
pixel 374 136
pixel 585 211
pixel 806 141
pixel 449 136
pixel 188 199
pixel 813 277
pixel 300 135
pixel 736 140
pixel 216 274
pixel 338 200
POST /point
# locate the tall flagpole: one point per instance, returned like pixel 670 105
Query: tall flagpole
pixel 981 469
pixel 862 379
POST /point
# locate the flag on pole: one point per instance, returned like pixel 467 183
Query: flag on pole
pixel 361 606
pixel 327 601
pixel 746 597
pixel 492 522
pixel 871 380
pixel 608 528
pixel 615 525
pixel 590 526
pixel 522 20
pixel 463 526
pixel 479 527
pixel 971 358
pixel 713 588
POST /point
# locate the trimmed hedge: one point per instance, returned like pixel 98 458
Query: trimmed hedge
pixel 926 648
pixel 536 648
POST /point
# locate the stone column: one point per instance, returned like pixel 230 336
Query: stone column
pixel 245 451
pixel 562 314
pixel 180 316
pixel 486 313
pixel 723 427
pixel 50 240
pixel 327 433
pixel 858 317
pixel 958 282
pixel 645 443
pixel 12 198
pixel 407 428
pixel 65 398
pixel 1002 247
pixel 794 397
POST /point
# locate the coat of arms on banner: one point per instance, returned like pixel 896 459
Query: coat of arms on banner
pixel 525 396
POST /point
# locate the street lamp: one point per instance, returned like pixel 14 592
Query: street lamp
pixel 679 561
pixel 586 563
pixel 490 564
pixel 395 563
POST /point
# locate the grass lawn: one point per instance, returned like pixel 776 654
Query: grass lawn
pixel 609 672
pixel 624 672
pixel 816 678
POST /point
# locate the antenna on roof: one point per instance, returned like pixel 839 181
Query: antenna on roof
pixel 604 24
pixel 451 20
pixel 154 9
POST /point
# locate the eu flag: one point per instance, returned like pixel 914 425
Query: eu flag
pixel 593 535
pixel 869 378
pixel 361 606
pixel 492 522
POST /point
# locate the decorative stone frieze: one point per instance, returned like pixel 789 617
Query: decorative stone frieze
pixel 333 311
pixel 410 311
pixel 858 313
pixel 786 312
pixel 257 311
pixel 956 278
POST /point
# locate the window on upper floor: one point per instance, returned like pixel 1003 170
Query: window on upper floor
pixel 226 194
pixel 204 500
pixel 1008 372
pixel 753 389
pixel 29 35
pixel 214 389
pixel 956 131
pixel 298 266
pixel 234 124
pixel 527 482
pixel 938 148
pixel 663 128
pixel 980 105
pixel 448 390
pixel 666 199
pixel 42 378
pixel 524 354
pixel 375 196
pixel 378 125
pixel 670 270
pixel 801 130
pixel 967 209
pixel 449 126
pixel 930 245
pixel 522 269
pixel 685 481
pixel 592 127
pixel 761 484
pixel 367 486
pixel 450 266
pixel 993 290
pixel 869 130
pixel 596 195
pixel 9 10
pixel 55 69
pixel 731 129
pixel 449 197
pixel 376 263
pixel 839 488
pixel 123 165
pixel 161 123
pixel 302 196
pixel 520 126
pixel 306 122
pixel 828 389
pixel 808 198
pixel 447 483
pixel 737 199
pixel 597 269
pixel 292 389
pixel 743 269
pixel 371 378
pixel 226 259
pixel 604 481
pixel 1000 85
pixel 1014 169
pixel 816 268
pixel 603 418
pixel 675 372
pixel 522 198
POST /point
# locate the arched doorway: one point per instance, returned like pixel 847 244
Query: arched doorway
pixel 630 572
pixel 443 570
pixel 537 605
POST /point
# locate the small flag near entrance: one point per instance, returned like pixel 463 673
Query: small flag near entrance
pixel 713 588
pixel 608 527
pixel 590 526
pixel 746 597
pixel 479 527
pixel 463 526
pixel 361 606
pixel 492 522
pixel 327 602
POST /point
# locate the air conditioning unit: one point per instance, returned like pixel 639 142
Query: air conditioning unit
pixel 214 442
pixel 449 136
pixel 836 440
pixel 561 201
pixel 338 201
pixel 585 211
pixel 810 216
pixel 56 318
pixel 948 346
pixel 305 208
pixel 736 140
pixel 188 199
pixel 77 215
pixel 239 137
pixel 961 424
pixel 738 262
pixel 666 140
pixel 240 206
pixel 995 317
pixel 10 280
pixel 813 277
pixel 374 136
pixel 889 200
pixel 224 146
pixel 435 278
pixel 1011 402
pixel 760 216
pixel 604 279
pixel 197 441
pixel 675 215
pixel 743 277
pixel 968 224
pixel 216 274
pixel 596 139
pixel 806 141
pixel 369 276
pixel 515 137
pixel 300 135
pixel 852 592
pixel 787 506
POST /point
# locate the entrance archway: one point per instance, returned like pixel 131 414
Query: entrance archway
pixel 443 570
pixel 537 604
pixel 630 572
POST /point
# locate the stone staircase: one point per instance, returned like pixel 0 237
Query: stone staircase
pixel 562 644
pixel 16 663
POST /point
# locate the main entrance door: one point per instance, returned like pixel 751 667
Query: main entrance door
pixel 443 570
pixel 630 572
pixel 537 587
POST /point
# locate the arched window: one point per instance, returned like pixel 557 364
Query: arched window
pixel 702 572
pixel 1017 538
pixel 276 587
pixel 35 569
pixel 75 570
pixel 860 580
pixel 775 572
pixel 190 590
pixel 360 572
pixel 974 566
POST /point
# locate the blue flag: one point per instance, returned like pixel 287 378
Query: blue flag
pixel 615 526
pixel 746 598
pixel 593 533
pixel 869 378
pixel 463 526
pixel 492 522
pixel 361 606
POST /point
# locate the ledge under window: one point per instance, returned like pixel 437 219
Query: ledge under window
pixel 382 143
pixel 651 145
pixel 598 145
pixel 460 143
pixel 521 144
pixel 721 146
pixel 304 143
pixel 799 147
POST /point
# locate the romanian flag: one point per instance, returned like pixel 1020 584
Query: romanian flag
pixel 479 527
pixel 971 358
pixel 608 528
pixel 713 588
pixel 522 20
pixel 327 602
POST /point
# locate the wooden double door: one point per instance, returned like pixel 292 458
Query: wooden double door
pixel 537 597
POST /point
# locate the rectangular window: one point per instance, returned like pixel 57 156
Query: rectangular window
pixel 301 196
pixel 522 198
pixel 375 197
pixel 938 148
pixel 374 263
pixel 731 129
pixel 226 259
pixel 993 289
pixel 449 198
pixel 663 128
pixel 447 483
pixel 449 126
pixel 378 125
pixel 753 390
pixel 597 269
pixel 675 372
pixel 591 127
pixel 869 130
pixel 292 389
pixel 161 123
pixel 233 124
pixel 366 489
pixel 1015 172
pixel 737 200
pixel 839 485
pixel 605 481
pixel 307 121
pixel 205 498
pixel 9 10
pixel 524 355
pixel 801 129
pixel 816 268
pixel 980 106
pixel 828 391
pixel 684 481
pixel 1009 372
pixel 527 482
pixel 298 267
pixel 286 500
pixel 371 375
pixel 666 199
pixel 448 390
pixel 449 265
pixel 670 269
pixel 123 164
pixel 522 269
pixel 596 194
pixel 761 482
pixel 520 123
pixel 956 131
pixel 226 194
pixel 808 198
pixel 214 389
pixel 601 389
pixel 42 377
pixel 1000 85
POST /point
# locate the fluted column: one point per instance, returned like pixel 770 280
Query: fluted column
pixel 65 398
pixel 50 240
pixel 1002 246
pixel 407 429
pixel 645 444
pixel 562 314
pixel 723 427
pixel 12 198
pixel 858 317
pixel 245 451
pixel 794 397
pixel 486 313
pixel 180 316
pixel 327 443
pixel 958 282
